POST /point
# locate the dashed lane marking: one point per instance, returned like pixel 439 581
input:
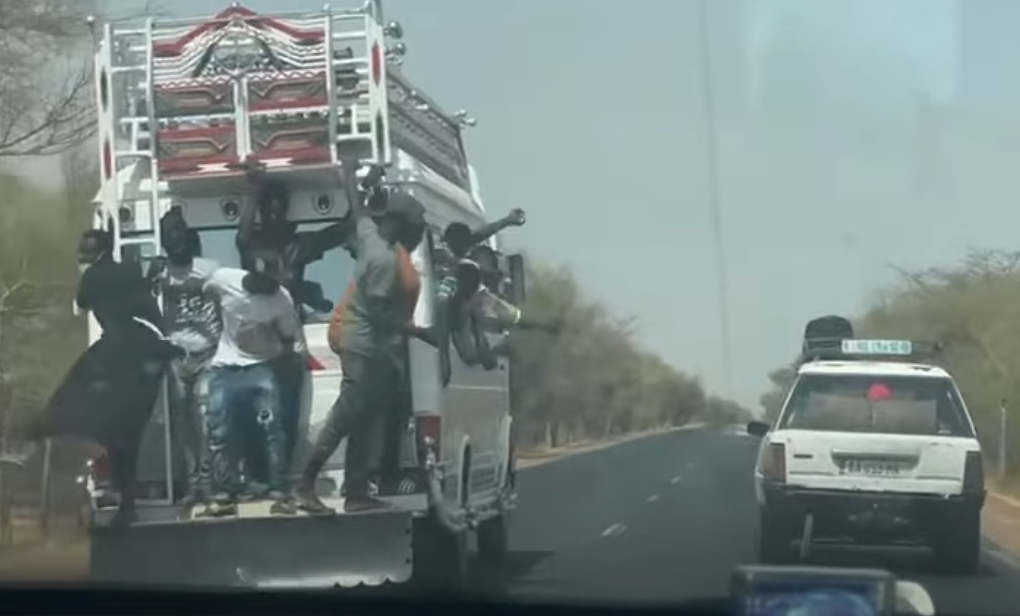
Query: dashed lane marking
pixel 614 531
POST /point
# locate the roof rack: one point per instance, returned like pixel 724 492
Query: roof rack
pixel 840 348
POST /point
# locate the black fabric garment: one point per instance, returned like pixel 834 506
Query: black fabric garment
pixel 115 292
pixel 291 372
pixel 108 395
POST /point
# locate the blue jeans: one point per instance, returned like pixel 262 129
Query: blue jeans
pixel 233 392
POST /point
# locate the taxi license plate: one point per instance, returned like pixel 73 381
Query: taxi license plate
pixel 879 468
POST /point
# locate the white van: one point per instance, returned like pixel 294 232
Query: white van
pixel 179 113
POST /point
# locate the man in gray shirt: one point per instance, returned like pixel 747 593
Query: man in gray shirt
pixel 193 323
pixel 372 352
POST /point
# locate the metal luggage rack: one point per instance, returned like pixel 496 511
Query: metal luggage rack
pixel 833 349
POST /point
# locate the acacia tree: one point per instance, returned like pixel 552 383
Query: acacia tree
pixel 45 104
pixel 46 101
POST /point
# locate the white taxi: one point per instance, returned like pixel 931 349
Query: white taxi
pixel 870 448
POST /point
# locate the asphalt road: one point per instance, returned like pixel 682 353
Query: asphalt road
pixel 666 519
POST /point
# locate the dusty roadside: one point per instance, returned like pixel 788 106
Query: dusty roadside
pixel 63 557
pixel 1001 517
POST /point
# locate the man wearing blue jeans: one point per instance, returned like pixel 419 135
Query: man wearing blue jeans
pixel 260 326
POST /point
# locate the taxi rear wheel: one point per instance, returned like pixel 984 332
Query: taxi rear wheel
pixel 774 539
pixel 957 547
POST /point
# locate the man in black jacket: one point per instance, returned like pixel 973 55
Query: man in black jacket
pixel 110 392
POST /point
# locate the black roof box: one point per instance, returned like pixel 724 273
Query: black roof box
pixel 825 335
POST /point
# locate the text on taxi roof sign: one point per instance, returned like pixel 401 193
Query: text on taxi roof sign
pixel 877 347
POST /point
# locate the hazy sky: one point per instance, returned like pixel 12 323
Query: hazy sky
pixel 851 134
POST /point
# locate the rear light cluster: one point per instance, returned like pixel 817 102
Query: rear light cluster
pixel 100 468
pixel 429 431
pixel 974 472
pixel 773 463
pixel 313 364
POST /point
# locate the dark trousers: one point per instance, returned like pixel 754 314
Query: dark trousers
pixel 123 465
pixel 291 372
pixel 363 413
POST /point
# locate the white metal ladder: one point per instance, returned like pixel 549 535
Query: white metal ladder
pixel 141 141
pixel 121 45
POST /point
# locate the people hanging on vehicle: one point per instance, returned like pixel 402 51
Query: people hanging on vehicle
pixel 460 238
pixel 193 322
pixel 260 327
pixel 114 291
pixel 110 392
pixel 411 235
pixel 264 229
pixel 468 290
pixel 372 346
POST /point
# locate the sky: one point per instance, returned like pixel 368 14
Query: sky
pixel 851 136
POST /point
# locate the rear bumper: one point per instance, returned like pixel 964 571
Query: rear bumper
pixel 342 550
pixel 888 515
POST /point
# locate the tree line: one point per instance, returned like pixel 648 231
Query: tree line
pixel 593 380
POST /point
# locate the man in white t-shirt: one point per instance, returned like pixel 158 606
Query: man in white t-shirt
pixel 260 326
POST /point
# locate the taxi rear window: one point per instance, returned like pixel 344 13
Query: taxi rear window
pixel 913 405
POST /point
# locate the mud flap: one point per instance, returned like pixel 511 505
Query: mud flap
pixel 343 550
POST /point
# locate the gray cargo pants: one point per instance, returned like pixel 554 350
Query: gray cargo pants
pixel 370 395
pixel 189 379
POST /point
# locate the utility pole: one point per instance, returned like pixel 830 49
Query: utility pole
pixel 1003 453
pixel 712 163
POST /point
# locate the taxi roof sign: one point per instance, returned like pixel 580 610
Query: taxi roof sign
pixel 864 349
pixel 902 348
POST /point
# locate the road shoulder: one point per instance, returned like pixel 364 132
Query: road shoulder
pixel 1001 523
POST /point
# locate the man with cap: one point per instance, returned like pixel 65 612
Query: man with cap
pixel 373 351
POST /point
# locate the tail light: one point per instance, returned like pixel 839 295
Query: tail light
pixel 974 473
pixel 773 463
pixel 429 430
pixel 99 466
pixel 377 63
pixel 313 364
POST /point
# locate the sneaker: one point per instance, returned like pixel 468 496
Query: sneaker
pixel 253 492
pixel 218 510
pixel 283 507
pixel 306 500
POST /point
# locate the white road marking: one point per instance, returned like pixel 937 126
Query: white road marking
pixel 675 480
pixel 614 530
pixel 653 498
